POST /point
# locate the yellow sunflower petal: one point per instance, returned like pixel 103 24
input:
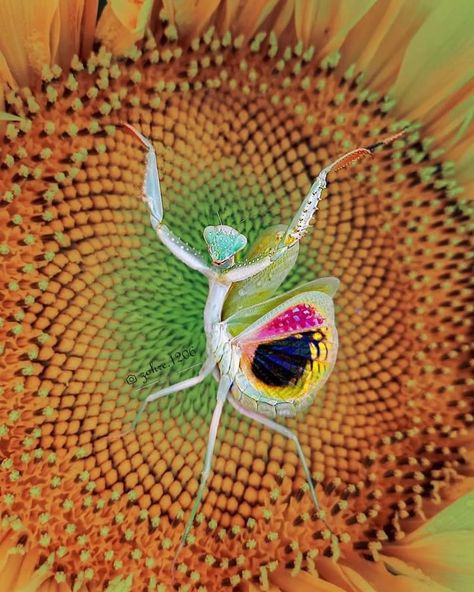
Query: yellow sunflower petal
pixel 400 577
pixel 6 75
pixel 89 19
pixel 18 569
pixel 245 17
pixel 30 36
pixel 325 23
pixel 6 79
pixel 123 22
pixel 378 42
pixel 462 152
pixel 37 581
pixel 442 548
pixel 453 119
pixel 458 516
pixel 394 575
pixel 443 46
pixel 446 558
pixel 5 546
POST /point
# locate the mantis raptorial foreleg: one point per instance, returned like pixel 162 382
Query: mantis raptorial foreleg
pixel 302 219
pixel 151 183
pixel 152 196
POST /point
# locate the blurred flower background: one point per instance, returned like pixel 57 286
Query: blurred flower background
pixel 245 102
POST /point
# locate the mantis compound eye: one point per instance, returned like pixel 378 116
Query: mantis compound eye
pixel 223 242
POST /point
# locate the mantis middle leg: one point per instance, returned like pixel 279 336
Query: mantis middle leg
pixel 206 369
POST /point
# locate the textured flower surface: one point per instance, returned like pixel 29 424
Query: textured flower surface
pixel 245 103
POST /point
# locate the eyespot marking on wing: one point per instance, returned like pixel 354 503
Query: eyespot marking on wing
pixel 283 362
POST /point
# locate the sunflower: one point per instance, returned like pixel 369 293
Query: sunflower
pixel 245 103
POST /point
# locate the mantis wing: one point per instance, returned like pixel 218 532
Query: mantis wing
pixel 262 285
pixel 288 353
pixel 243 318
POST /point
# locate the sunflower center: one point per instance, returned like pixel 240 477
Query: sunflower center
pixel 112 311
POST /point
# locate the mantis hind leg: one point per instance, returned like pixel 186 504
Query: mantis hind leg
pixel 223 389
pixel 284 431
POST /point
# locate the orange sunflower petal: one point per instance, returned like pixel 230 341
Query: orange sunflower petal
pixel 30 36
pixel 190 18
pixel 77 21
pixel 344 576
pixel 302 582
pixel 122 23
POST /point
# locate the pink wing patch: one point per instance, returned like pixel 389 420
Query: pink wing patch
pixel 297 318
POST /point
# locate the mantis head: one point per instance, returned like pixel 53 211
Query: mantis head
pixel 223 242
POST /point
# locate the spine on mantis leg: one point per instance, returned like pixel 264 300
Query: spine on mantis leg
pixel 302 219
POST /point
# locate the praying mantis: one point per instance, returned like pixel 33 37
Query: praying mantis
pixel 269 354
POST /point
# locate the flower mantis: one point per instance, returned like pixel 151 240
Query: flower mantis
pixel 269 354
